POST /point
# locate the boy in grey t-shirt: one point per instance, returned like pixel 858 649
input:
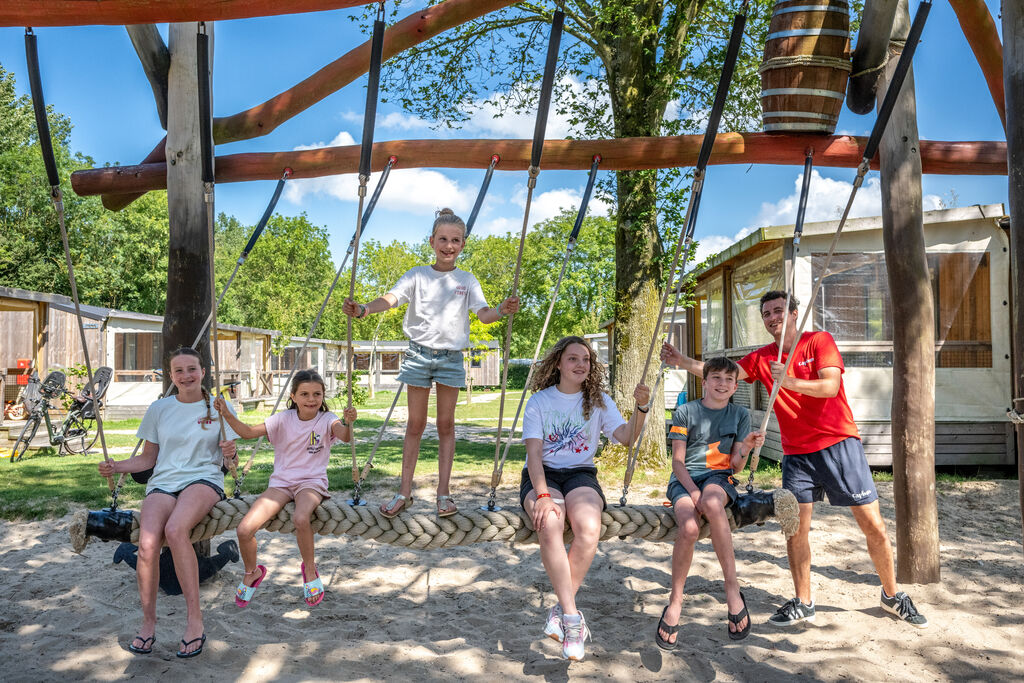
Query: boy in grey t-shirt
pixel 711 439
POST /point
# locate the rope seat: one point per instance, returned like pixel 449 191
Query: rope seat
pixel 426 531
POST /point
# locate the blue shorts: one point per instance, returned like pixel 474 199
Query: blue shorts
pixel 422 366
pixel 841 471
pixel 723 479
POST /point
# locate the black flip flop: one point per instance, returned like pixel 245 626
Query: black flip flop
pixel 195 653
pixel 144 650
pixel 671 630
pixel 737 618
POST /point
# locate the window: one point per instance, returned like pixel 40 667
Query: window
pixel 710 302
pixel 137 353
pixel 476 359
pixel 749 282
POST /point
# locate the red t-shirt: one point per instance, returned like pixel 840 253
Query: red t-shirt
pixel 808 424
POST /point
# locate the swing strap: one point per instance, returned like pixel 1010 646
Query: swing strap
pixel 686 235
pixel 570 247
pixel 547 84
pixel 56 197
pixel 884 113
pixel 481 194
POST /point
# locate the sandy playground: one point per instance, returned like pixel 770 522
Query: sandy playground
pixel 476 613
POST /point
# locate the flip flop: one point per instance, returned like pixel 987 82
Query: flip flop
pixel 244 593
pixel 181 654
pixel 446 506
pixel 312 591
pixel 396 505
pixel 145 649
pixel 671 630
pixel 737 618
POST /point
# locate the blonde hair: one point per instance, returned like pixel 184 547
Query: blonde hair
pixel 447 217
pixel 548 375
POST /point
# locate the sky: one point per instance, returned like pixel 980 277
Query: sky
pixel 92 75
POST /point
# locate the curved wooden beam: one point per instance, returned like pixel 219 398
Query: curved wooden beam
pixel 956 158
pixel 263 118
pixel 980 30
pixel 156 62
pixel 870 54
pixel 83 13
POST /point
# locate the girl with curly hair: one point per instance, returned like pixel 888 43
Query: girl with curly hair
pixel 562 427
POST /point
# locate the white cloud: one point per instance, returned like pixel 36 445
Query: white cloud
pixel 342 139
pixel 488 120
pixel 545 205
pixel 414 190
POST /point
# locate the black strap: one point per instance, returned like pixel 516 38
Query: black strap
pixel 372 204
pixel 481 194
pixel 39 105
pixel 205 103
pixel 586 199
pixel 372 89
pixel 546 86
pixel 805 190
pixel 266 216
pixel 739 22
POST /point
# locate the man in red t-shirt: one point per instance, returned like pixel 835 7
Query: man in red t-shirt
pixel 822 448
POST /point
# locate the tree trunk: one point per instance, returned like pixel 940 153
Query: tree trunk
pixel 913 396
pixel 188 263
pixel 1013 82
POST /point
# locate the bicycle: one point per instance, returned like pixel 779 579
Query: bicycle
pixel 76 433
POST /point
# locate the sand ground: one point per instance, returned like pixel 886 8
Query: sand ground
pixel 476 613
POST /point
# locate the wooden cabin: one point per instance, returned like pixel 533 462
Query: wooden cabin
pixel 969 261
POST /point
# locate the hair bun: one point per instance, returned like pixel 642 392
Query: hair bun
pixel 445 212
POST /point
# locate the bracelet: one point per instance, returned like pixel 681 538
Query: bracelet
pixel 644 410
pixel 543 495
pixel 363 312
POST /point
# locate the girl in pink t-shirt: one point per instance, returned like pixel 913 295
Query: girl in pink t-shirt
pixel 302 437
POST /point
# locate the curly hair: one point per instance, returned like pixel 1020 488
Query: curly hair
pixel 548 375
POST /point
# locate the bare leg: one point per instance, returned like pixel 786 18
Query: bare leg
pixel 417 398
pixel 306 502
pixel 447 397
pixel 156 508
pixel 193 504
pixel 714 500
pixel 583 507
pixel 798 549
pixel 682 555
pixel 552 552
pixel 869 517
pixel 263 509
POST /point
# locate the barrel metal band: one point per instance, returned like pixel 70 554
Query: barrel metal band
pixel 812 8
pixel 802 32
pixel 817 92
pixel 796 125
pixel 801 114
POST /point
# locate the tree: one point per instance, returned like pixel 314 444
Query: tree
pixel 622 66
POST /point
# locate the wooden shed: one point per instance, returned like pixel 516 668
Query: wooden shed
pixel 969 264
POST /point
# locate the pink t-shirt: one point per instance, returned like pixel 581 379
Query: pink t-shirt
pixel 301 448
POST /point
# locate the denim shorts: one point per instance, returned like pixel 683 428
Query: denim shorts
pixel 422 366
pixel 841 471
pixel 175 494
pixel 723 479
pixel 563 480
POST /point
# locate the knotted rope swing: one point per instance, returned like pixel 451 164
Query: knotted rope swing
pixel 426 531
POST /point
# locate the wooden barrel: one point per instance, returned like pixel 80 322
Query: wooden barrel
pixel 806 65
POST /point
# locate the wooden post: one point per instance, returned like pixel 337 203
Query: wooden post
pixel 188 275
pixel 913 371
pixel 1013 87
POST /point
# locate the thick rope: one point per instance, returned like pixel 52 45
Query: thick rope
pixel 426 531
pixel 807 60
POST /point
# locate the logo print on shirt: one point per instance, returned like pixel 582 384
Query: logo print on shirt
pixel 205 421
pixel 314 439
pixel 716 459
pixel 806 361
pixel 461 290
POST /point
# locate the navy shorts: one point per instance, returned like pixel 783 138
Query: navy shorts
pixel 175 494
pixel 563 480
pixel 841 471
pixel 676 490
pixel 422 366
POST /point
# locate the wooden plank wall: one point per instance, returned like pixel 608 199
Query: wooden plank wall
pixel 15 337
pixel 63 344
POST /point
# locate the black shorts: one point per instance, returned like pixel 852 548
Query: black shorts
pixel 175 494
pixel 723 479
pixel 841 471
pixel 564 480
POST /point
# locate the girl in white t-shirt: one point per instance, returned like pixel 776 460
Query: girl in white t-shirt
pixel 184 450
pixel 562 427
pixel 302 437
pixel 440 297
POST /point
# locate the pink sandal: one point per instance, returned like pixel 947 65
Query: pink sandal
pixel 312 591
pixel 244 593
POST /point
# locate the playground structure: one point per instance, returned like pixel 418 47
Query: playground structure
pixel 899 159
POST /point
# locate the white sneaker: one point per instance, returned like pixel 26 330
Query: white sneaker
pixel 575 634
pixel 553 629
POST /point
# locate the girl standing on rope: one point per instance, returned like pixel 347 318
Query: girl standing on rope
pixel 562 427
pixel 183 449
pixel 302 437
pixel 440 297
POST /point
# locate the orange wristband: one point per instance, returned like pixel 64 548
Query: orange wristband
pixel 543 495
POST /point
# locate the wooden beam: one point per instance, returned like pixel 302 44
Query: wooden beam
pixel 156 60
pixel 913 341
pixel 113 12
pixel 263 118
pixel 980 30
pixel 939 157
pixel 870 54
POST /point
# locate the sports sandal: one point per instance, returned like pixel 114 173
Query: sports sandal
pixel 181 654
pixel 244 593
pixel 312 591
pixel 396 505
pixel 446 506
pixel 737 618
pixel 147 645
pixel 671 630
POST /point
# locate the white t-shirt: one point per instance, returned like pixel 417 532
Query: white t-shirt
pixel 567 439
pixel 439 306
pixel 188 451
